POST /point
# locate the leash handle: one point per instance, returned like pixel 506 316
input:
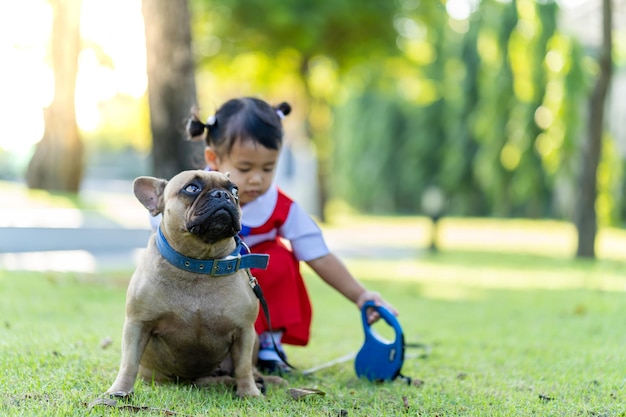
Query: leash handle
pixel 384 313
pixel 372 337
pixel 380 359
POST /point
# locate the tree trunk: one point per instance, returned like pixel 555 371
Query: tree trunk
pixel 171 86
pixel 57 164
pixel 586 219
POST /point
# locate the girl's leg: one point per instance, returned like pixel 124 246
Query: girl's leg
pixel 286 295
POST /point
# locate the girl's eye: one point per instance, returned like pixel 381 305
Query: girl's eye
pixel 192 189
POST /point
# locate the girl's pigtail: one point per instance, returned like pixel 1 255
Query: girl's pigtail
pixel 195 128
pixel 283 109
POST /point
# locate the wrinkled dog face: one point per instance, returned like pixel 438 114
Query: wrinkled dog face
pixel 212 207
pixel 202 203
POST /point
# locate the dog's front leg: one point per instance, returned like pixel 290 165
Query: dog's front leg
pixel 242 361
pixel 134 340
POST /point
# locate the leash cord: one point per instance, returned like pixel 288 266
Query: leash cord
pixel 425 347
pixel 259 294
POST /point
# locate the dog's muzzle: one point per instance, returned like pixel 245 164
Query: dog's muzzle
pixel 213 216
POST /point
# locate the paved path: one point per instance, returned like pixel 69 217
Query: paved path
pixel 88 249
pixel 40 239
pixel 33 237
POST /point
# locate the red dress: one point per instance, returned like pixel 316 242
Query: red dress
pixel 282 283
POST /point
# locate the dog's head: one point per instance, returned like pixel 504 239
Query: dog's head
pixel 201 203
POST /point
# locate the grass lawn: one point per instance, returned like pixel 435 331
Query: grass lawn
pixel 510 335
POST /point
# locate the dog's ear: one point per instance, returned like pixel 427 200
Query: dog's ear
pixel 149 191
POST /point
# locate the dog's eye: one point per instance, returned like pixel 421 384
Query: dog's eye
pixel 235 192
pixel 192 189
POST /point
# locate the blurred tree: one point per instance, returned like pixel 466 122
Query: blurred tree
pixel 485 109
pixel 171 85
pixel 330 37
pixel 57 164
pixel 457 176
pixel 512 87
pixel 390 134
pixel 586 216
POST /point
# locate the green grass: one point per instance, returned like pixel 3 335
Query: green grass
pixel 510 335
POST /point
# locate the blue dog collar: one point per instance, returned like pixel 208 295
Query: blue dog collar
pixel 214 267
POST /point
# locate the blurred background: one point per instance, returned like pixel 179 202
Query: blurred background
pixel 447 108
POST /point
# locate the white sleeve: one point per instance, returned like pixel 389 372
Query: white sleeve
pixel 305 236
pixel 155 221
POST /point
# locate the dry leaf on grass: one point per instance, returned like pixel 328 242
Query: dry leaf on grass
pixel 299 393
pixel 109 402
pixel 417 382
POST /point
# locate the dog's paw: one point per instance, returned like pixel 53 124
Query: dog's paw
pixel 248 391
pixel 275 380
pixel 119 394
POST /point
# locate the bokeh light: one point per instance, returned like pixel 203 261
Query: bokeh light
pixel 111 63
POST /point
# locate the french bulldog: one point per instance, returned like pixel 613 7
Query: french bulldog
pixel 190 309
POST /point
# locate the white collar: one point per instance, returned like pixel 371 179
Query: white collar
pixel 258 211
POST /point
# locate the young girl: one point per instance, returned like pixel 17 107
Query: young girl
pixel 244 138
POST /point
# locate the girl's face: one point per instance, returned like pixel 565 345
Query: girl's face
pixel 251 165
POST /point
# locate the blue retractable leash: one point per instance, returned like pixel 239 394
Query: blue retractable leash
pixel 380 359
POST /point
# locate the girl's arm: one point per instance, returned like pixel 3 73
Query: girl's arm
pixel 335 274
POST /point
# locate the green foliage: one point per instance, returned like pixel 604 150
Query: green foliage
pixel 342 30
pixel 499 134
pixel 125 123
pixel 609 176
pixel 487 110
pixel 328 38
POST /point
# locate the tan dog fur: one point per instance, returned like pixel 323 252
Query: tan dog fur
pixel 180 326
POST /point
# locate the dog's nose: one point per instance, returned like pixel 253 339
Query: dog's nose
pixel 221 194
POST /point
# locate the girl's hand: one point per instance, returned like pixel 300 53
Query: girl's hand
pixel 372 314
